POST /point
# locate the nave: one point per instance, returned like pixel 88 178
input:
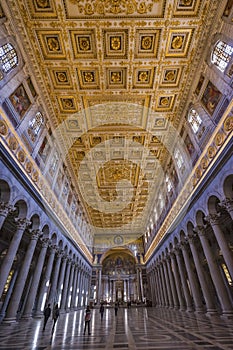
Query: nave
pixel 135 328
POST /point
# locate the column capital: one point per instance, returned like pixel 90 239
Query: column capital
pixel 35 234
pixel 6 208
pixel 69 260
pixel 60 253
pixel 22 223
pixel 45 242
pixel 53 248
pixel 191 238
pixel 64 257
pixel 168 257
pixel 200 230
pixel 213 219
pixel 177 249
pixel 184 245
pixel 227 204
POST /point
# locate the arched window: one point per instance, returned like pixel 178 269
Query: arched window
pixel 8 57
pixel 36 123
pixel 221 55
pixel 194 120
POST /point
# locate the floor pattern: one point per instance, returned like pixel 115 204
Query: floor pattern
pixel 135 328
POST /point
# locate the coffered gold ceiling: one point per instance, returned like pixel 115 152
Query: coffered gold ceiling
pixel 115 76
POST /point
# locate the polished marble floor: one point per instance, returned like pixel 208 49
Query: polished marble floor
pixel 135 328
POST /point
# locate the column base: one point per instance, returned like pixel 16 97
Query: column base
pixel 9 320
pixel 26 317
pixel 227 314
pixel 182 309
pixel 199 311
pixel 212 312
pixel 189 309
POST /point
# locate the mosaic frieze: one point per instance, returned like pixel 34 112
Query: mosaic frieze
pixel 178 42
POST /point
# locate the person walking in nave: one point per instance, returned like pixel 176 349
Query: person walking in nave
pixel 102 311
pixel 116 308
pixel 87 320
pixel 47 313
pixel 56 314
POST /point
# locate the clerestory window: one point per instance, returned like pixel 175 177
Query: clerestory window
pixel 8 57
pixel 221 55
pixel 36 123
pixel 194 120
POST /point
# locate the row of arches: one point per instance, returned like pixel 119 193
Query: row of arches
pixel 193 269
pixel 39 263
